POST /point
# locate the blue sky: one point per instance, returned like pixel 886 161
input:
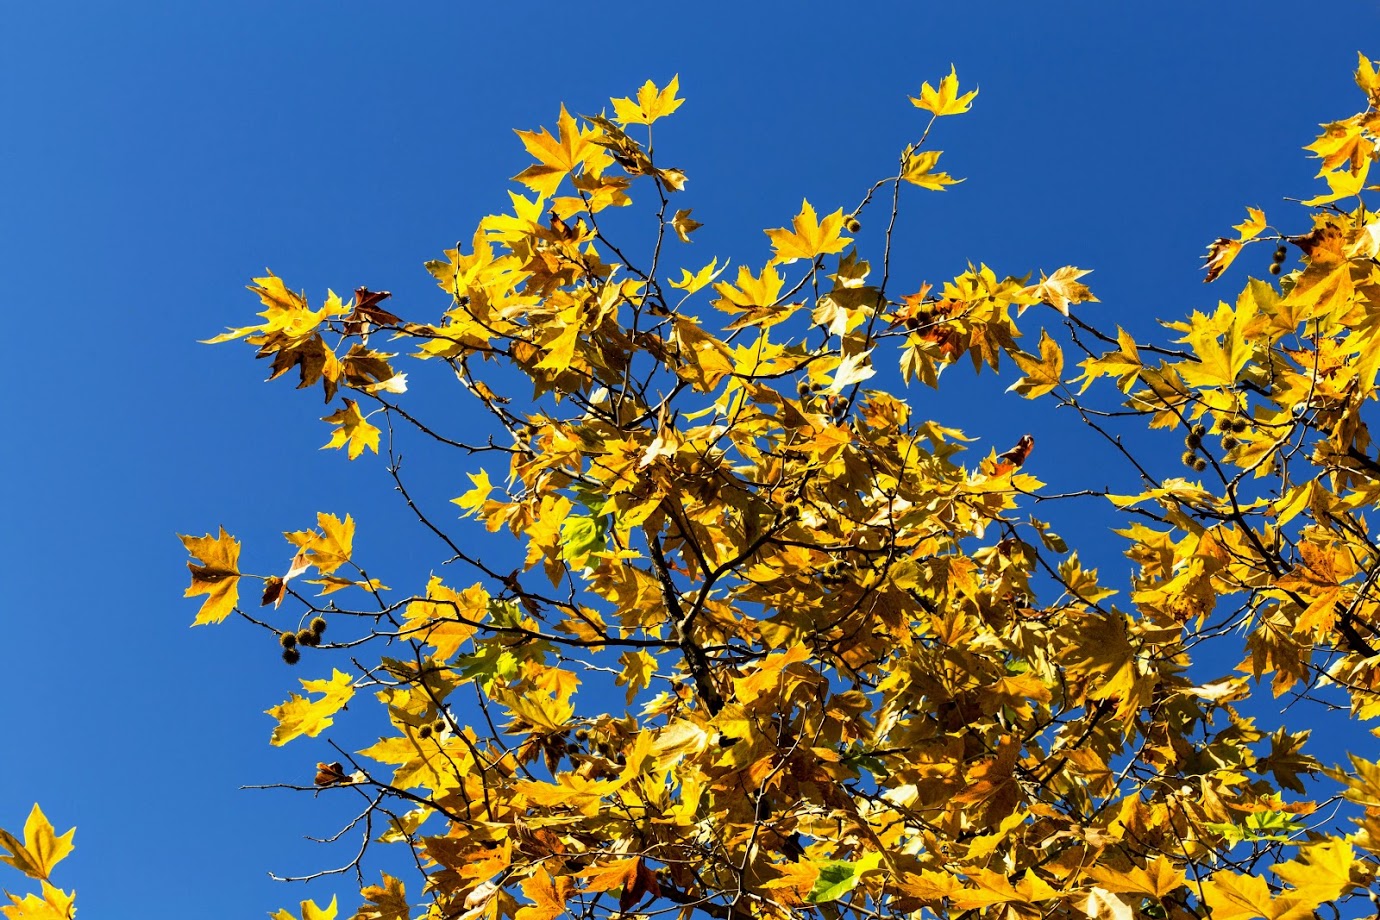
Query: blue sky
pixel 159 155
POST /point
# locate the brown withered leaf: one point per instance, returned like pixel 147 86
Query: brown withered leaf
pixel 1220 254
pixel 275 589
pixel 331 774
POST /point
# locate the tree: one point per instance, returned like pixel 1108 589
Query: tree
pixel 771 645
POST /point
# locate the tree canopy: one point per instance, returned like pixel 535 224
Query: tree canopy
pixel 770 641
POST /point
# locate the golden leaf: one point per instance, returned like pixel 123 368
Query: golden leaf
pixel 386 902
pixel 1042 374
pixel 945 100
pixel 548 896
pixel 309 911
pixel 652 103
pixel 809 237
pixel 41 850
pixel 556 156
pixel 354 430
pixel 917 169
pixel 217 576
pixel 299 715
pixel 684 225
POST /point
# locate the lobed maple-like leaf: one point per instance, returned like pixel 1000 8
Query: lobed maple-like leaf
pixel 945 100
pixel 353 431
pixel 215 574
pixel 52 904
pixel 684 224
pixel 558 156
pixel 808 236
pixel 917 168
pixel 1042 374
pixel 387 901
pixel 652 103
pixel 300 715
pixel 42 848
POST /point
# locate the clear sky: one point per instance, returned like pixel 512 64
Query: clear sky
pixel 156 156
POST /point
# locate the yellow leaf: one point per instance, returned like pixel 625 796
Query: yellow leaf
pixel 1158 879
pixel 1342 183
pixel 299 715
pixel 286 315
pixel 473 500
pixel 1100 652
pixel 852 369
pixel 1221 253
pixel 651 104
pixel 671 179
pixel 556 156
pixel 1219 362
pixel 1368 79
pixel 354 429
pixel 638 670
pixel 217 576
pixel 809 238
pixel 691 283
pixel 41 849
pixel 1102 903
pixel 1252 226
pixel 754 297
pixel 1061 289
pixel 1366 245
pixel 328 549
pixel 1042 374
pixel 548 896
pixel 684 225
pixel 386 902
pixel 437 621
pixel 916 169
pixel 309 912
pixel 945 100
pixel 55 904
pixel 1243 897
pixel 1321 872
pixel 611 876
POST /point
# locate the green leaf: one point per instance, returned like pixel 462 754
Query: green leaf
pixel 838 877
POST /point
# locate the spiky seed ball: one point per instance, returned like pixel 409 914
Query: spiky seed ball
pixel 1192 441
pixel 1281 254
pixel 287 639
pixel 852 223
pixel 308 638
pixel 1199 464
pixel 1229 442
pixel 1198 430
pixel 291 655
pixel 1275 268
pixel 424 731
pixel 1188 458
pixel 1239 424
pixel 318 625
pixel 803 388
